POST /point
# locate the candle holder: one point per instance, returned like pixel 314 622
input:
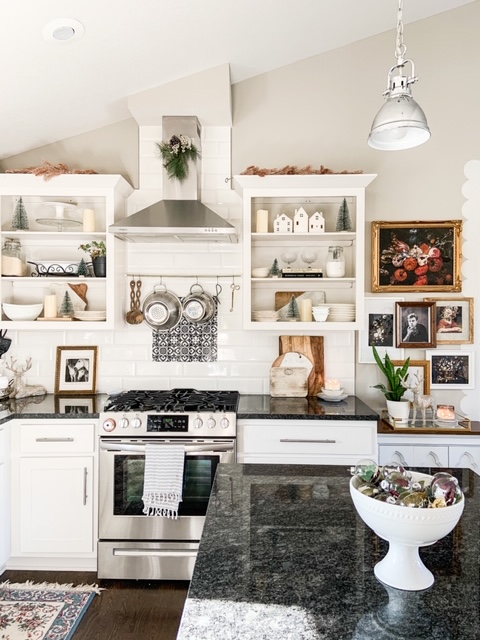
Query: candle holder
pixel 446 412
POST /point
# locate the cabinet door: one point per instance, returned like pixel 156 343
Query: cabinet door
pixel 56 509
pixel 402 454
pixel 464 456
pixel 430 456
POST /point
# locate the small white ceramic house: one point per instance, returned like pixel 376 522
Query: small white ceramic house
pixel 300 221
pixel 316 224
pixel 282 224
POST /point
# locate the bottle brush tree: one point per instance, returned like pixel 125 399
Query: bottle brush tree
pixel 343 218
pixel 20 218
pixel 275 271
pixel 293 312
pixel 66 308
pixel 83 271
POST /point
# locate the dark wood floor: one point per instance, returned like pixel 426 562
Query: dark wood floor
pixel 126 610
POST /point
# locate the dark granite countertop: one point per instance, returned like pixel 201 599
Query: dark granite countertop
pixel 284 556
pixel 265 407
pixel 52 407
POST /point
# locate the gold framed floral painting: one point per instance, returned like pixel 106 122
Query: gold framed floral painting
pixel 416 256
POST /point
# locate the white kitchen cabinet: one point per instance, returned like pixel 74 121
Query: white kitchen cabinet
pixel 4 495
pixel 55 236
pixel 54 494
pixel 430 451
pixel 284 195
pixel 306 441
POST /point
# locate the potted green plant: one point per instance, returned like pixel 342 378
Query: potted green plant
pixel 98 253
pixel 397 406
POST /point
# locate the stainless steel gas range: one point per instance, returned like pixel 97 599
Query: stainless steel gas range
pixel 131 544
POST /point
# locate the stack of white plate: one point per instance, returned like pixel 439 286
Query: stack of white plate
pixel 341 312
pixel 91 316
pixel 265 316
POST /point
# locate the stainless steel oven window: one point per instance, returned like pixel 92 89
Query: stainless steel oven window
pixel 198 478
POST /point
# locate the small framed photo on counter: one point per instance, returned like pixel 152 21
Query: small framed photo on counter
pixel 76 370
pixel 451 369
pixel 454 320
pixel 415 324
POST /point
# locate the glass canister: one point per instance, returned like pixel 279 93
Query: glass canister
pixel 13 262
pixel 335 267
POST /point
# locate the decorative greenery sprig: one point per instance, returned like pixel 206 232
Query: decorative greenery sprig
pixel 176 154
pixel 394 376
pixel 94 248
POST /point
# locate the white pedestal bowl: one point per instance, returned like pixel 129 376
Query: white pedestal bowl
pixel 405 529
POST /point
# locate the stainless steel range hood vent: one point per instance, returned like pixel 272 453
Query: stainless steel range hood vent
pixel 181 216
pixel 174 221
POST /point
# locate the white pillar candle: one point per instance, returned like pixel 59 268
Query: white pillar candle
pixel 262 221
pixel 50 306
pixel 332 385
pixel 88 220
pixel 306 310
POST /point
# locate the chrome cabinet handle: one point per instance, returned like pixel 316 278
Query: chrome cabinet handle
pixel 304 440
pixel 85 475
pixel 54 439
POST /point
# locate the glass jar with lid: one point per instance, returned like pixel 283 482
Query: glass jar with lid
pixel 13 262
pixel 335 267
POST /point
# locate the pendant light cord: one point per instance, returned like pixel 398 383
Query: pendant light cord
pixel 401 48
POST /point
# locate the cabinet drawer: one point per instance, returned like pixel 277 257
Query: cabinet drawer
pixel 57 438
pixel 358 439
pixel 464 456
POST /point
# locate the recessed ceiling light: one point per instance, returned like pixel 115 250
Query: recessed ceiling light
pixel 63 30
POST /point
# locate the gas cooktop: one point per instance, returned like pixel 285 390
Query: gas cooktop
pixel 173 400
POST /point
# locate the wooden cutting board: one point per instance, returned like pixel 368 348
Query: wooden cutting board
pixel 289 375
pixel 312 348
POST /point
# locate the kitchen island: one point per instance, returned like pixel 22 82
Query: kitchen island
pixel 284 556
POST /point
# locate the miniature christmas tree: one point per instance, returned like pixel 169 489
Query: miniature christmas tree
pixel 275 271
pixel 83 271
pixel 293 312
pixel 66 309
pixel 343 218
pixel 20 218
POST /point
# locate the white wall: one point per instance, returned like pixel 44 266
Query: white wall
pixel 317 111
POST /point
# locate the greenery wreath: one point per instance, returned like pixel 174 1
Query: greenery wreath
pixel 176 154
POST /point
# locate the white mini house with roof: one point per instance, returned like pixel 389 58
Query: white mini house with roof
pixel 282 224
pixel 300 221
pixel 316 223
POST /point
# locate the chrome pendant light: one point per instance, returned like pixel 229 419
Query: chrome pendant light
pixel 401 122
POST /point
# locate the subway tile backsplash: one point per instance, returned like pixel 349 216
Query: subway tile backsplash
pixel 125 356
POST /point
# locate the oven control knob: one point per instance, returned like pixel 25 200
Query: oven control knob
pixel 109 424
pixel 198 423
pixel 211 424
pixel 124 422
pixel 136 423
pixel 224 422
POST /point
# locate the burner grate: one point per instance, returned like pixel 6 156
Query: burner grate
pixel 175 400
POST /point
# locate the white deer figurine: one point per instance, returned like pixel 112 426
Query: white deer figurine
pixel 20 388
pixel 420 401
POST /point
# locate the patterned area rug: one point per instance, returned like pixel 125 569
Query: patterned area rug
pixel 45 611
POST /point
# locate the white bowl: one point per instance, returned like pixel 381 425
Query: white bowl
pixel 405 529
pixel 19 312
pixel 261 272
pixel 333 393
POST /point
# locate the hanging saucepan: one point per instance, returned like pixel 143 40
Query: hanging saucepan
pixel 198 307
pixel 162 309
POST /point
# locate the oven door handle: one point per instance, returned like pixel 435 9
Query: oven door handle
pixel 192 448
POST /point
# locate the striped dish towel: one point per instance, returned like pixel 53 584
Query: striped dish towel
pixel 163 480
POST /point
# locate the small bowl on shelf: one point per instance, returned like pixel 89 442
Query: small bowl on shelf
pixel 265 316
pixel 320 312
pixel 22 312
pixel 260 272
pixel 333 393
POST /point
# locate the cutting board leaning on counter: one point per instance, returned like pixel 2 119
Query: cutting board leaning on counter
pixel 299 370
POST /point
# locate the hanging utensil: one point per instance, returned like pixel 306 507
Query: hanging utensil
pixel 234 287
pixel 138 317
pixel 131 314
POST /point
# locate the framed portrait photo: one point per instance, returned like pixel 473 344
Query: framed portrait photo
pixel 72 405
pixel 416 256
pixel 451 369
pixel 416 325
pixel 76 370
pixel 454 320
pixel 378 330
